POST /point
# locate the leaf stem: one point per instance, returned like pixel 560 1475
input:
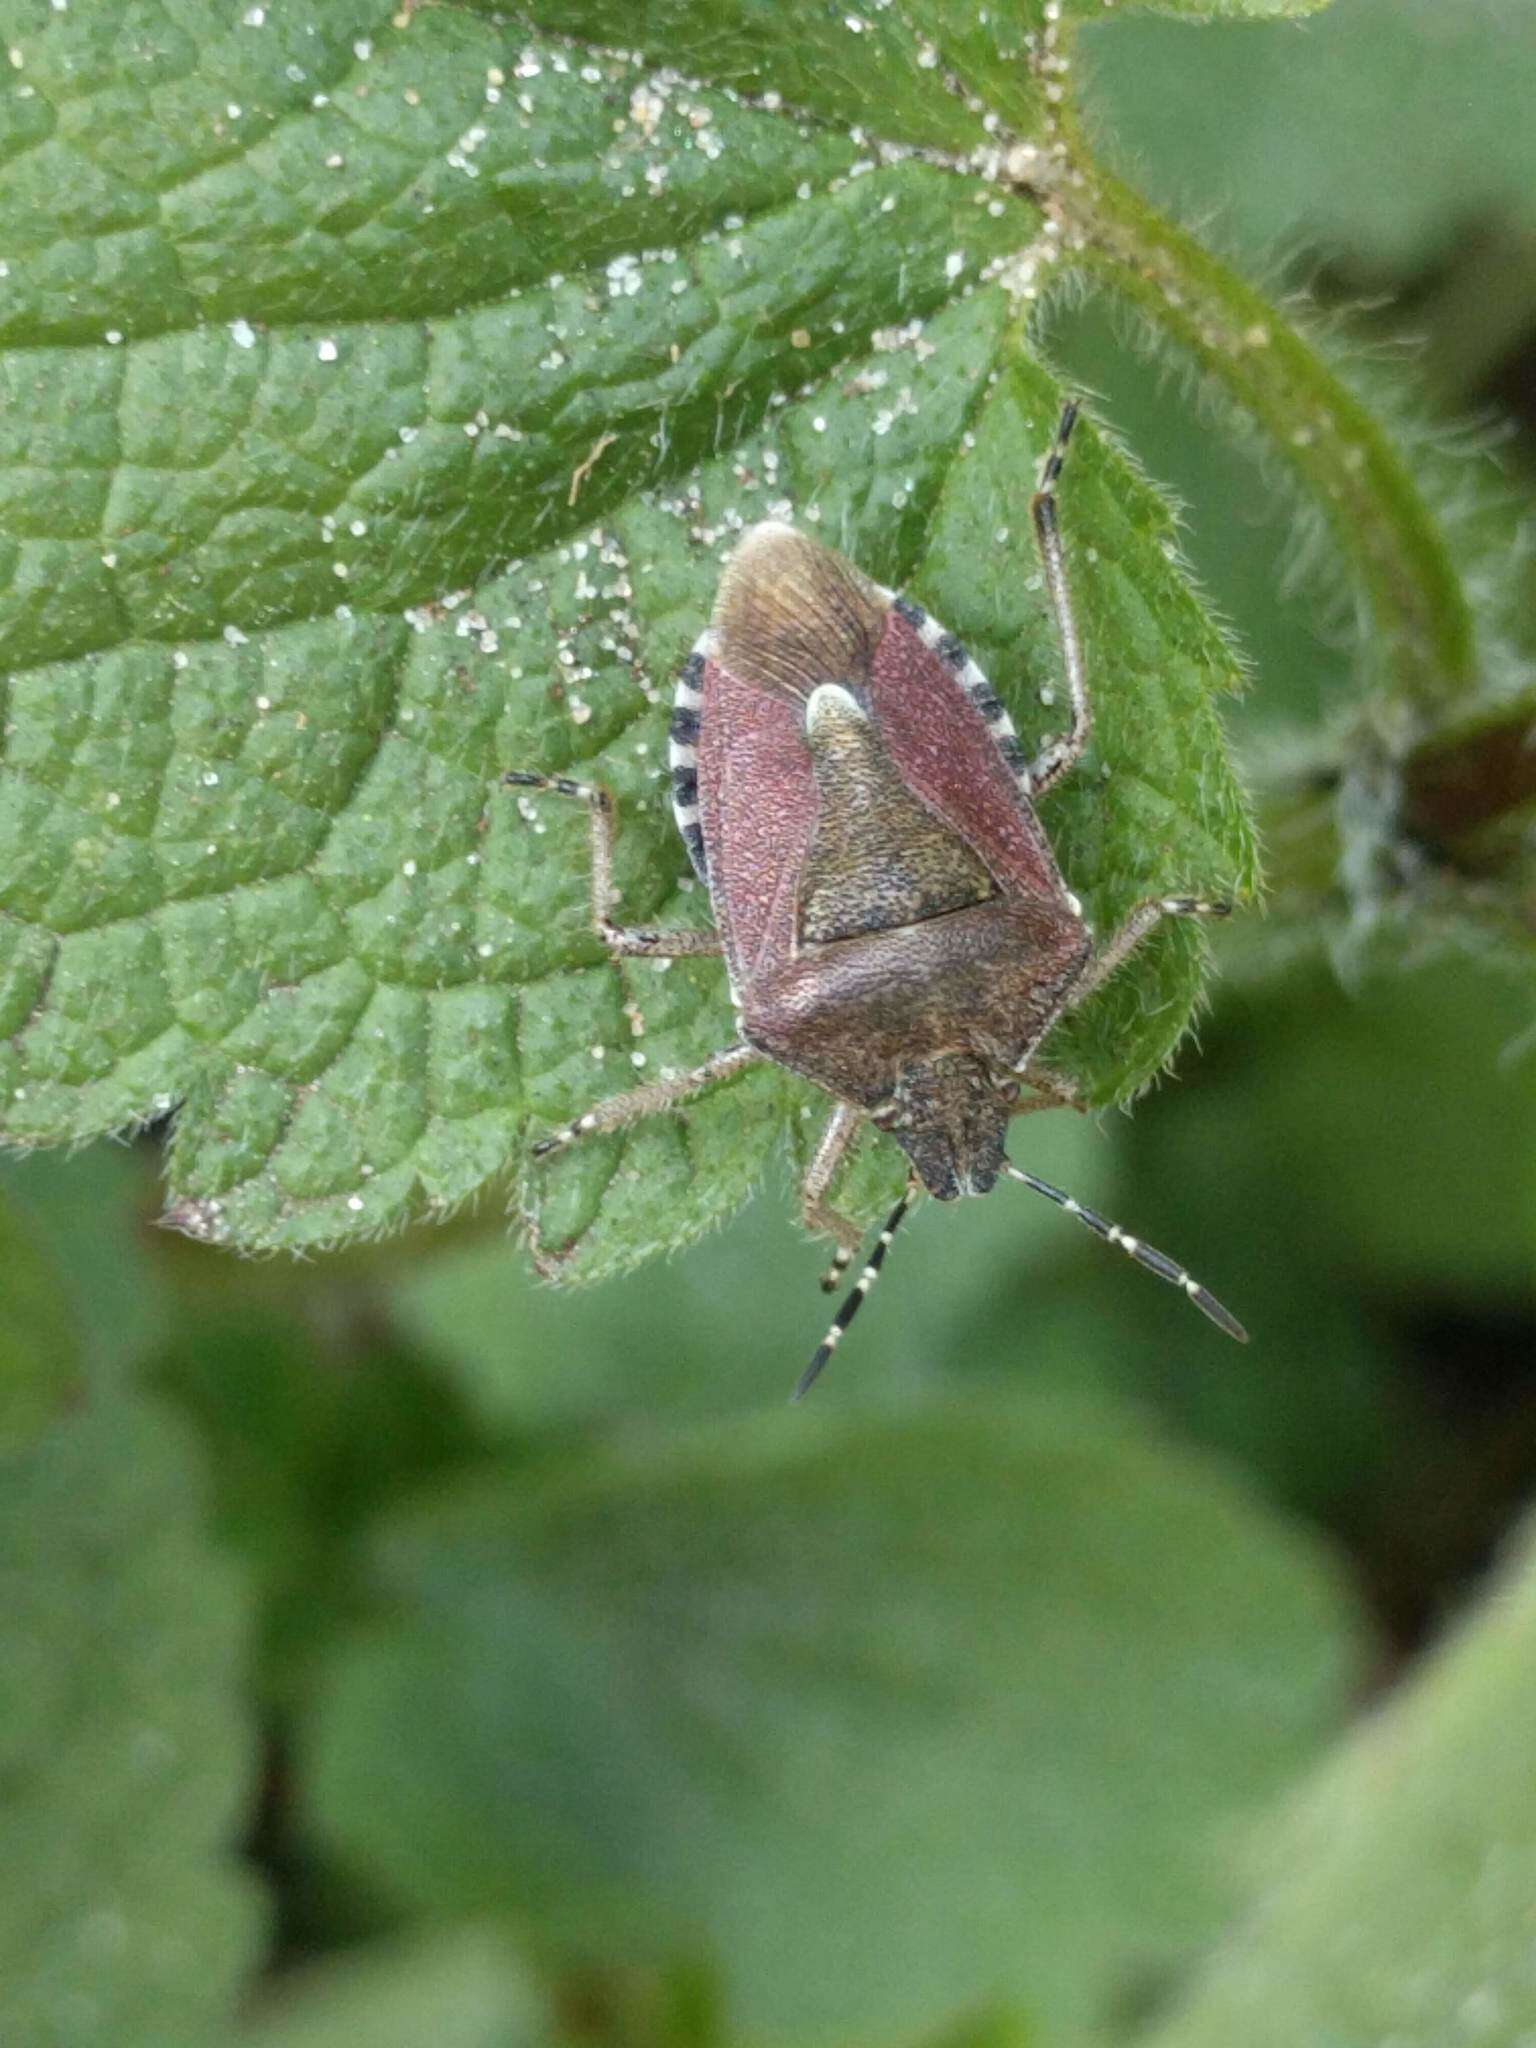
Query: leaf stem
pixel 1340 455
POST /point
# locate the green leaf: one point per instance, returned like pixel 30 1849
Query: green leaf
pixel 880 67
pixel 88 1213
pixel 954 1709
pixel 376 416
pixel 1413 1205
pixel 39 1343
pixel 462 1988
pixel 1298 139
pixel 305 1439
pixel 1208 10
pixel 125 1751
pixel 1154 807
pixel 1400 1905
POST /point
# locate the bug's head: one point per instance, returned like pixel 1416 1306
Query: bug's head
pixel 950 1117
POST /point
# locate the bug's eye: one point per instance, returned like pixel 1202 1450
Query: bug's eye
pixel 1008 1089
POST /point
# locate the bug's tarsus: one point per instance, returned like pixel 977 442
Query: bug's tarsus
pixel 1144 1254
pixel 842 1259
pixel 561 785
pixel 616 1111
pixel 837 1141
pixel 1058 755
pixel 1138 923
pixel 1051 468
pixel 861 1287
pixel 1195 906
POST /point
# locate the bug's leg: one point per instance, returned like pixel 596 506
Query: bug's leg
pixel 837 1141
pixel 1052 1090
pixel 615 1111
pixel 1058 755
pixel 1135 929
pixel 625 941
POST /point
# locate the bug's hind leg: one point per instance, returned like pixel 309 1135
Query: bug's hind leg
pixel 837 1141
pixel 624 941
pixel 1057 755
pixel 1135 929
pixel 616 1111
pixel 1052 1090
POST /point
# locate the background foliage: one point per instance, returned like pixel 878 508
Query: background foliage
pixel 394 1649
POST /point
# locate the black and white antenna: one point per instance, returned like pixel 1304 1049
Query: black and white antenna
pixel 1144 1254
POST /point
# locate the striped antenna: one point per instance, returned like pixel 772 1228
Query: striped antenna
pixel 861 1287
pixel 1155 1261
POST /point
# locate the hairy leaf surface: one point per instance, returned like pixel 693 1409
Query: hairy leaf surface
pixel 380 396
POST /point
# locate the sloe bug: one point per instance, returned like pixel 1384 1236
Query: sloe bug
pixel 894 924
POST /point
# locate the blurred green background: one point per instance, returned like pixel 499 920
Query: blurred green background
pixel 552 1681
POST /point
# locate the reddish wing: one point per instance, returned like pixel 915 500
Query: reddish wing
pixel 757 806
pixel 962 765
pixel 791 614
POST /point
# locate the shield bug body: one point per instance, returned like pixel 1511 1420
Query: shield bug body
pixel 894 923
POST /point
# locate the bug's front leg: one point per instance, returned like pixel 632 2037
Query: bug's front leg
pixel 616 1111
pixel 1057 755
pixel 837 1141
pixel 623 941
pixel 1135 929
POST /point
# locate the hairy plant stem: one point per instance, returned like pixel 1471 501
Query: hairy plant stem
pixel 1339 454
